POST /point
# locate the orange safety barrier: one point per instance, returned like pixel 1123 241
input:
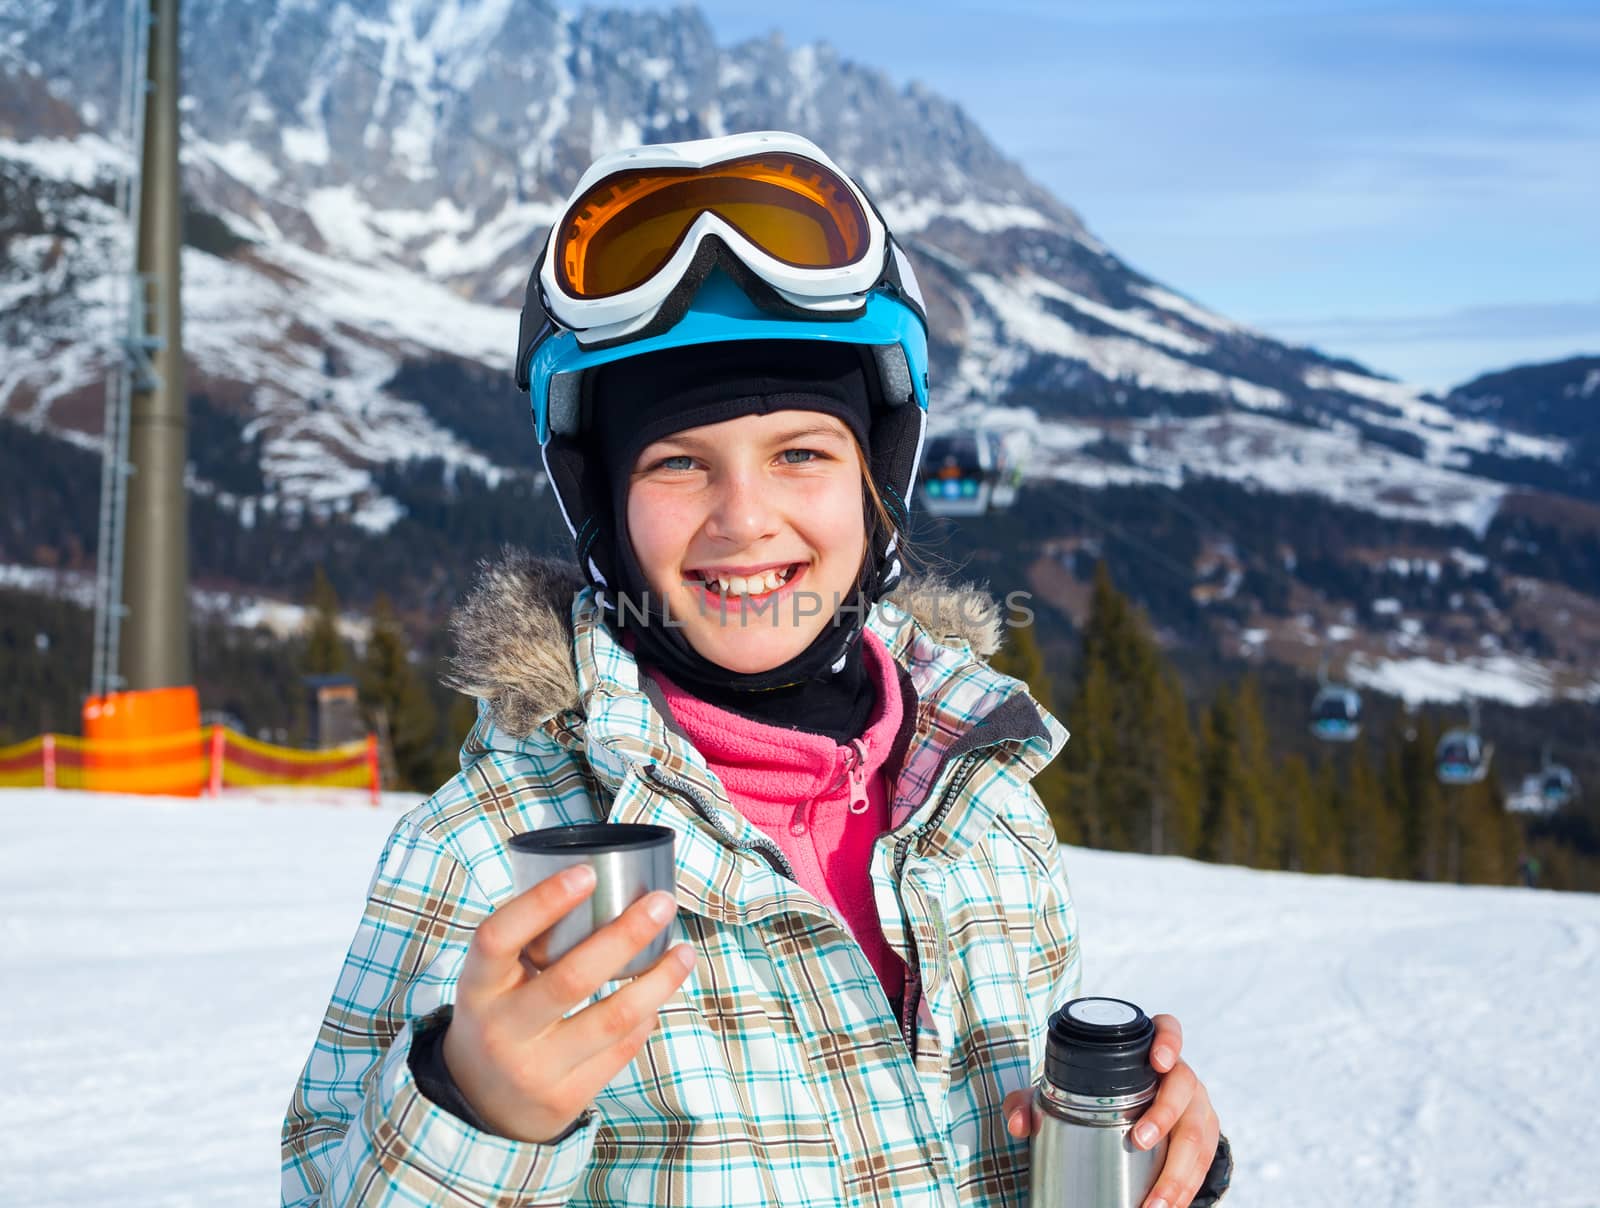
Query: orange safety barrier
pixel 25 764
pixel 240 761
pixel 214 757
pixel 145 741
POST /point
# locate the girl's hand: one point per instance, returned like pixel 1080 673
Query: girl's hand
pixel 1182 1109
pixel 525 1068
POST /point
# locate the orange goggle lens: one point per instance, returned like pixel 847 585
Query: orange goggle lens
pixel 624 229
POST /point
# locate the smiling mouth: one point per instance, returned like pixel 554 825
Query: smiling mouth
pixel 750 586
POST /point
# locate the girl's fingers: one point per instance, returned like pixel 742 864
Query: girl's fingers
pixel 1017 1110
pixel 1167 1045
pixel 1173 1098
pixel 578 974
pixel 581 1085
pixel 1193 1145
pixel 603 1037
pixel 495 954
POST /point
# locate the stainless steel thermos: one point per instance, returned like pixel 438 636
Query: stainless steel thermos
pixel 1097 1082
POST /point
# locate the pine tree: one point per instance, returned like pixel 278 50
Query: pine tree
pixel 1423 806
pixel 1181 788
pixel 397 702
pixel 1372 834
pixel 325 650
pixel 1084 761
pixel 1490 837
pixel 460 716
pixel 1300 836
pixel 1134 776
pixel 1397 796
pixel 1224 838
pixel 1260 816
pixel 1329 800
pixel 1022 659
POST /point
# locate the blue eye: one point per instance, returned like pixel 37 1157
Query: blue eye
pixel 680 462
pixel 798 457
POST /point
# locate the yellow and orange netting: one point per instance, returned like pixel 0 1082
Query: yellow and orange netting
pixel 212 758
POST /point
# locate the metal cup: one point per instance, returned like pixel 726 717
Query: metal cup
pixel 629 861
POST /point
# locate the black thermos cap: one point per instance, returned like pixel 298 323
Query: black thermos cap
pixel 1099 1047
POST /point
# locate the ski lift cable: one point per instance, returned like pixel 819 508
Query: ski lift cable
pixel 1184 575
pixel 1203 521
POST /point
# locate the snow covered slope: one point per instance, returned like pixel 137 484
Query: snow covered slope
pixel 1366 1042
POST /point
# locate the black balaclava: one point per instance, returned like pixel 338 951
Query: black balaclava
pixel 631 403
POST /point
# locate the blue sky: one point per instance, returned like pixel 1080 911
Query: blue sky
pixel 1416 185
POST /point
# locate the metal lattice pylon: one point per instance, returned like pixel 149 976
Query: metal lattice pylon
pixel 129 366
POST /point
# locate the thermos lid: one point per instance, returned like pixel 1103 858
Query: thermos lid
pixel 1100 1047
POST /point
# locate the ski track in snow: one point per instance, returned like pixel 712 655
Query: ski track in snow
pixel 1365 1042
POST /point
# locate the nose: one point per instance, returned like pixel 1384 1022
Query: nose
pixel 742 511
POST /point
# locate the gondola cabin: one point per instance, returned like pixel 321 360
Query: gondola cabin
pixel 1461 758
pixel 1336 714
pixel 1557 786
pixel 957 474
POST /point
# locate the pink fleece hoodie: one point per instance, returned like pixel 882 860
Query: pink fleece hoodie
pixel 823 804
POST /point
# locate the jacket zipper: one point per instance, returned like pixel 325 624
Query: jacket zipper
pixel 775 857
pixel 855 769
pixel 911 999
pixel 683 788
pixel 852 775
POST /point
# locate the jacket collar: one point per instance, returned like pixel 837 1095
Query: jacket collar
pixel 515 636
pixel 533 648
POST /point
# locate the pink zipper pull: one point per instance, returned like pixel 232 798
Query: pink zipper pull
pixel 797 820
pixel 855 761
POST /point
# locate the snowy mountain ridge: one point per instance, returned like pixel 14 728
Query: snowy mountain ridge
pixel 390 167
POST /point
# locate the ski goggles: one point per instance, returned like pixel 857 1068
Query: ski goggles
pixel 645 227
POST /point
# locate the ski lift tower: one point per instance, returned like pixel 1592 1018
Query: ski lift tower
pixel 142 685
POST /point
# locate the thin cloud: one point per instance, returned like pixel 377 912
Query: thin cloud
pixel 1551 320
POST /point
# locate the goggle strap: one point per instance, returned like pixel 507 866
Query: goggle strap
pixel 535 324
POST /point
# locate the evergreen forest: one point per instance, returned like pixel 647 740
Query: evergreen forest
pixel 1179 747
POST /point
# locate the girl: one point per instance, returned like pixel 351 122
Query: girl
pixel 726 355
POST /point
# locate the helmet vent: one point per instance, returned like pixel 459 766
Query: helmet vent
pixel 894 374
pixel 564 401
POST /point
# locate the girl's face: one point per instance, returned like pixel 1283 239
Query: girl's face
pixel 752 531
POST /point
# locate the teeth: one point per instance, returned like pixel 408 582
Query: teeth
pixel 745 585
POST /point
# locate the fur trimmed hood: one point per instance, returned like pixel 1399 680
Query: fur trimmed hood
pixel 514 634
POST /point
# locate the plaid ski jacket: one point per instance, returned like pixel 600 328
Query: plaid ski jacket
pixel 779 1074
